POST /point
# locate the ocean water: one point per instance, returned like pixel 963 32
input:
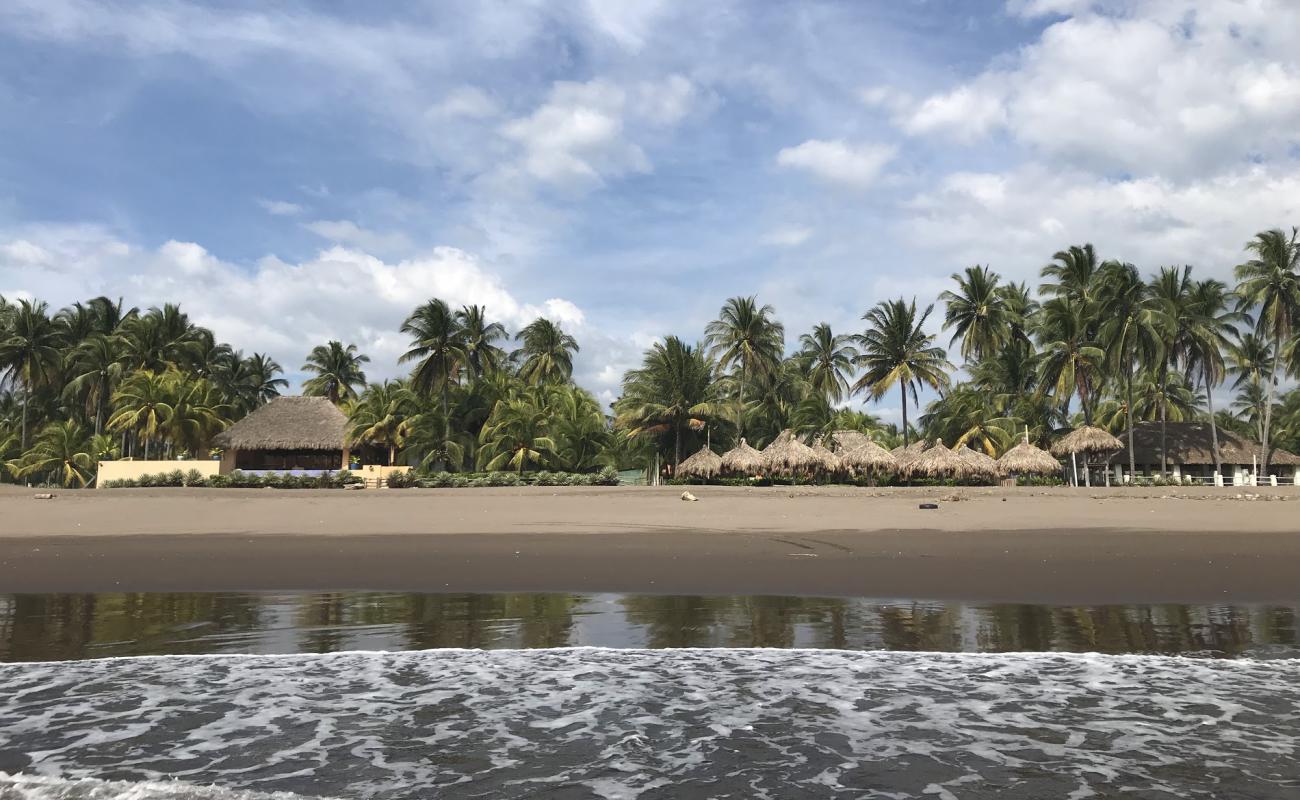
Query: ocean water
pixel 633 723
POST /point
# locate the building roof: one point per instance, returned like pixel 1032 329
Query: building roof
pixel 1190 443
pixel 288 423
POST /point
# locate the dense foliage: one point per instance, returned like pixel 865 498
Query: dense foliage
pixel 1097 342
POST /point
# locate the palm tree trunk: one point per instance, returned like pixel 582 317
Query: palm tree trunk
pixel 1128 412
pixel 677 449
pixel 446 426
pixel 902 388
pixel 1164 404
pixel 740 412
pixel 1268 403
pixel 1214 427
pixel 26 401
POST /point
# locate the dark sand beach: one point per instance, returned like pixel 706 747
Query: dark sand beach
pixel 1021 545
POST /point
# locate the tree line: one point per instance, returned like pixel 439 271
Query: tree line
pixel 1095 343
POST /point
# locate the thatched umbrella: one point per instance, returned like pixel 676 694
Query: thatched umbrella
pixel 705 464
pixel 830 462
pixel 1087 440
pixel 743 460
pixel 1025 459
pixel 982 463
pixel 847 441
pixel 940 462
pixel 869 458
pixel 906 455
pixel 787 455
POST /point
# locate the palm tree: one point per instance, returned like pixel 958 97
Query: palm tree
pixel 480 337
pixel 1170 292
pixel 143 405
pixel 977 312
pixel 1071 361
pixel 748 338
pixel 160 338
pixel 196 413
pixel 827 360
pixel 1271 282
pixel 1252 362
pixel 578 428
pixel 382 416
pixel 438 344
pixel 515 435
pixel 262 371
pixel 546 355
pixel 1073 275
pixel 896 350
pixel 64 451
pixel 337 369
pixel 29 351
pixel 1130 330
pixel 95 369
pixel 673 391
pixel 1210 326
pixel 966 418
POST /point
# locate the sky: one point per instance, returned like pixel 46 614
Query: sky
pixel 297 172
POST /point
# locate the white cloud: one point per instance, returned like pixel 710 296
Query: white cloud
pixel 1172 87
pixel 345 231
pixel 838 161
pixel 280 208
pixel 787 236
pixel 465 102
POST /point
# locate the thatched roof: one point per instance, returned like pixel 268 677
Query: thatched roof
pixel 743 459
pixel 288 423
pixel 829 461
pixel 704 464
pixel 869 457
pixel 1087 439
pixel 940 462
pixel 1190 443
pixel 845 441
pixel 786 455
pixel 906 455
pixel 980 462
pixel 1025 459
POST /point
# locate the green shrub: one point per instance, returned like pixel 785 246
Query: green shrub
pixel 400 480
pixel 147 480
pixel 218 482
pixel 195 478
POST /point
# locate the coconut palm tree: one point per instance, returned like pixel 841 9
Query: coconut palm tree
pixel 1209 329
pixel 546 355
pixel 94 370
pixel 827 360
pixel 480 337
pixel 1131 330
pixel 29 352
pixel 673 391
pixel 382 416
pixel 1071 361
pixel 578 428
pixel 161 338
pixel 1251 360
pixel 896 351
pixel 262 371
pixel 64 451
pixel 966 417
pixel 1170 291
pixel 337 369
pixel 1072 275
pixel 515 436
pixel 143 406
pixel 1270 282
pixel 438 346
pixel 977 312
pixel 747 338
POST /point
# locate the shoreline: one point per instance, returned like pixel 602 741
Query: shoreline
pixel 1032 545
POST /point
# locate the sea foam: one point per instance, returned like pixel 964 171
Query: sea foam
pixel 663 723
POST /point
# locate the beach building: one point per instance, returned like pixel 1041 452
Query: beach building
pixel 288 433
pixel 1189 452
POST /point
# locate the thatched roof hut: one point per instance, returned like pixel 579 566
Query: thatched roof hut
pixel 743 460
pixel 982 463
pixel 704 464
pixel 288 423
pixel 846 441
pixel 906 455
pixel 830 462
pixel 787 455
pixel 1190 444
pixel 869 458
pixel 1025 459
pixel 940 462
pixel 1087 439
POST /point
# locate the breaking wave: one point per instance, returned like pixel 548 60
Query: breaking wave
pixel 589 723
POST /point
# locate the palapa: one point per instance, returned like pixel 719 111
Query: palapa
pixel 742 460
pixel 1025 459
pixel 787 455
pixel 1087 439
pixel 869 457
pixel 288 423
pixel 982 463
pixel 830 462
pixel 704 464
pixel 940 462
pixel 846 441
pixel 906 455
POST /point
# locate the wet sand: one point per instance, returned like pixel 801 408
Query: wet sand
pixel 1014 545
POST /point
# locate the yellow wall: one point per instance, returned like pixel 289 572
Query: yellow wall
pixel 132 470
pixel 371 471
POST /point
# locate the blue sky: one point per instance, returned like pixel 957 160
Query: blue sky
pixel 318 170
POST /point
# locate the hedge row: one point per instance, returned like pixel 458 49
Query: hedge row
pixel 237 480
pixel 460 480
pixel 841 481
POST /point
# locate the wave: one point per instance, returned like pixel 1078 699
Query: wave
pixel 605 723
pixel 35 787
